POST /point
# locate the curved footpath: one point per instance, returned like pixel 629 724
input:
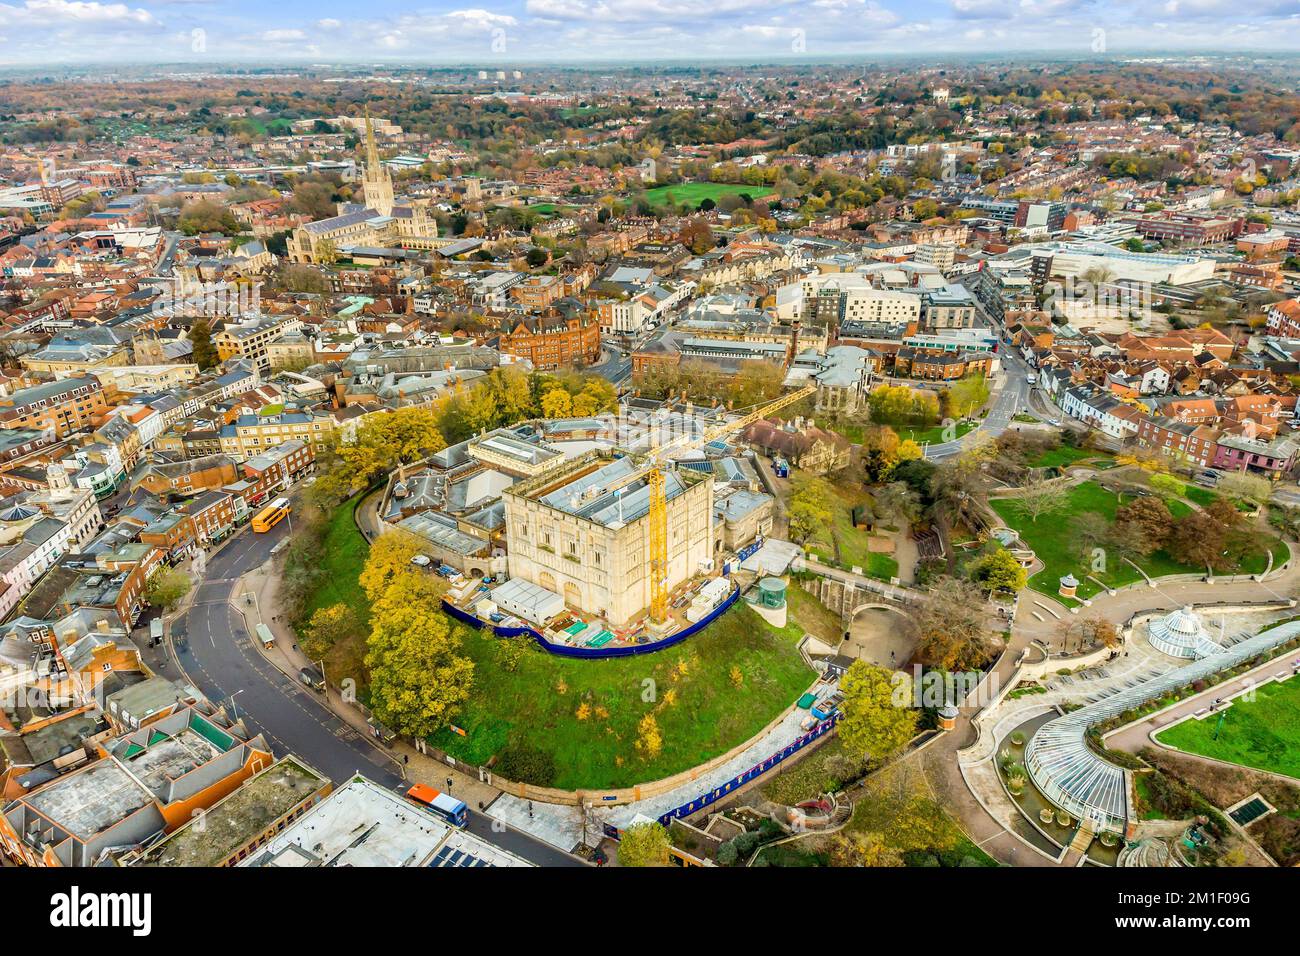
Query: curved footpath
pixel 942 759
pixel 214 650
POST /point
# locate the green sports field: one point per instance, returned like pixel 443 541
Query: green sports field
pixel 696 193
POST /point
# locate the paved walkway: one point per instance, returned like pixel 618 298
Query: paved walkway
pixel 557 824
pixel 944 758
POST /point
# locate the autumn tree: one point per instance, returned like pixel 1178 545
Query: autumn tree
pixel 853 848
pixel 897 805
pixel 643 844
pixel 383 441
pixel 649 739
pixel 1198 540
pixel 879 453
pixel 951 627
pixel 809 511
pixel 390 556
pixel 327 627
pixel 557 403
pixel 1143 524
pixel 872 724
pixel 1088 632
pixel 419 676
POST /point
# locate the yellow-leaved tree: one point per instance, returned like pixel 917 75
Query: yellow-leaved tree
pixel 382 442
pixel 390 555
pixel 419 675
pixel 872 722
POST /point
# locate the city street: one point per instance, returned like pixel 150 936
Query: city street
pixel 216 652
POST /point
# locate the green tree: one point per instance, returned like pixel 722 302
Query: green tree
pixel 998 571
pixel 809 511
pixel 167 587
pixel 968 395
pixel 643 844
pixel 872 723
pixel 205 353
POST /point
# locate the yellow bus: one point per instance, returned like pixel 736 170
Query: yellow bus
pixel 270 516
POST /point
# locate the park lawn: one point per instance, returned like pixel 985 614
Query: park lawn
pixel 535 704
pixel 696 193
pixel 1058 555
pixel 549 208
pixel 934 436
pixel 1201 496
pixel 854 543
pixel 345 558
pixel 1263 733
pixel 1062 457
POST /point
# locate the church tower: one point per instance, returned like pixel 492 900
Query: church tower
pixel 56 476
pixel 377 184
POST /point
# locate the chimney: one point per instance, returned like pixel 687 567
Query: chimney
pixel 102 626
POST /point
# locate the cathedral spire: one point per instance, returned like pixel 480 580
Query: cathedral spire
pixel 372 152
pixel 376 184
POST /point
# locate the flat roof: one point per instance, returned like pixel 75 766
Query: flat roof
pixel 360 824
pixel 92 800
pixel 235 820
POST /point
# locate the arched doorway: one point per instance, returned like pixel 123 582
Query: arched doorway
pixel 572 594
pixel 547 580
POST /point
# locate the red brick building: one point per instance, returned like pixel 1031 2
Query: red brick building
pixel 553 341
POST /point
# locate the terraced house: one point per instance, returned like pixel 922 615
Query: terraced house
pixel 64 407
pixel 250 435
pixel 249 340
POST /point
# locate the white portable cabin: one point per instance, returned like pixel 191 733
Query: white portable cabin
pixel 530 601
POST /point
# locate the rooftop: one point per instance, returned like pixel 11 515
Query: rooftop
pixel 234 821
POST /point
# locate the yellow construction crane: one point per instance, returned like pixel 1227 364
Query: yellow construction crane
pixel 659 499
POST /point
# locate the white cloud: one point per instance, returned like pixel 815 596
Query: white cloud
pixel 625 11
pixel 51 12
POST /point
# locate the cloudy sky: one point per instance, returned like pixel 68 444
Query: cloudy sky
pixel 504 32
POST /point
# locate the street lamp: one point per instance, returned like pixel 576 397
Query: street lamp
pixel 233 706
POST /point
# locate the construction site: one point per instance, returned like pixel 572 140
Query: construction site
pixel 595 534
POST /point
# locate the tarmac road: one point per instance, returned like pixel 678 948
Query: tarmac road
pixel 215 650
